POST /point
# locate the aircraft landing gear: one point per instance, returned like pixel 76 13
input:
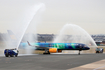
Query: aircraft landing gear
pixel 46 52
pixel 79 52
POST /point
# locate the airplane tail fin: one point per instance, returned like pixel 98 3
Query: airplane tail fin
pixel 28 43
pixel 11 34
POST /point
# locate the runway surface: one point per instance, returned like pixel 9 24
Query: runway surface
pixel 48 62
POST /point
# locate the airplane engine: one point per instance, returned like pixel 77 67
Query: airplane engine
pixel 53 50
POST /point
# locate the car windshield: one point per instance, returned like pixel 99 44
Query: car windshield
pixel 97 49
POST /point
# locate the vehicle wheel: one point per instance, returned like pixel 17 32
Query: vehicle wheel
pixel 6 55
pixel 16 55
pixel 97 51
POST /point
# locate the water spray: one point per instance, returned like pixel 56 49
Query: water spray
pixel 71 33
pixel 35 9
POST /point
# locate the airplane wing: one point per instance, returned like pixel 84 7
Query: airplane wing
pixel 38 46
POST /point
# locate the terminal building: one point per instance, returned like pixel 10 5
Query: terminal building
pixel 99 39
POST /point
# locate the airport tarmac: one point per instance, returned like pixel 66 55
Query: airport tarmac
pixel 51 62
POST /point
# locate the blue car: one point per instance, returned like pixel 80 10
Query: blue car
pixel 11 52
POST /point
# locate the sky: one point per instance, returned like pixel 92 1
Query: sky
pixel 88 14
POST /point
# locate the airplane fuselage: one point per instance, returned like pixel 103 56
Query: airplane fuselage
pixel 59 46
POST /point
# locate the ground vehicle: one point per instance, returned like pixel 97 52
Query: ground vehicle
pixel 11 52
pixel 99 50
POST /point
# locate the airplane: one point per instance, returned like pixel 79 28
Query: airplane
pixel 58 47
pixel 53 47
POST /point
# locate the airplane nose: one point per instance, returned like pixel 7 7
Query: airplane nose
pixel 87 48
